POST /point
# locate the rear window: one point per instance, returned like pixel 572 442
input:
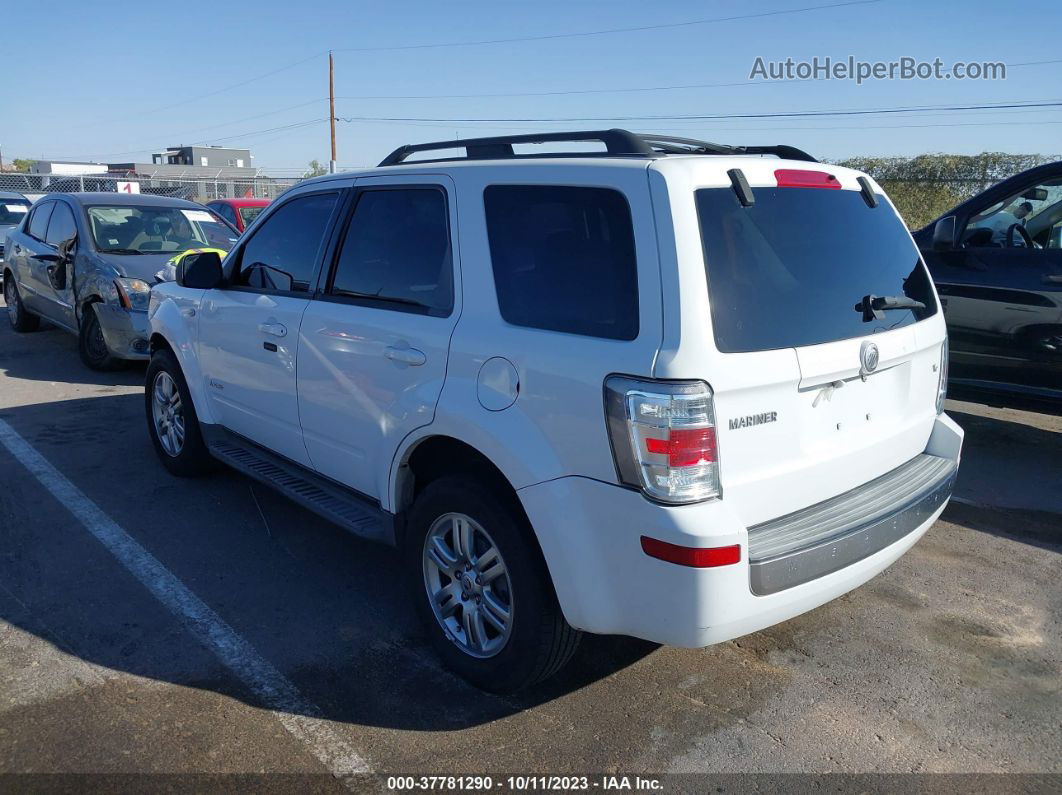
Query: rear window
pixel 789 270
pixel 248 214
pixel 563 259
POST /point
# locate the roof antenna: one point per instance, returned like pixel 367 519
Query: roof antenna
pixel 741 187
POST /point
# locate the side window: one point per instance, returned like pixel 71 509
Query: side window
pixel 282 253
pixel 563 259
pixel 38 222
pixel 1037 210
pixel 62 226
pixel 396 250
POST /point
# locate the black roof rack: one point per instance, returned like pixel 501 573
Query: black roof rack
pixel 618 143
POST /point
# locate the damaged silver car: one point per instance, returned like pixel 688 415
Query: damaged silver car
pixel 86 262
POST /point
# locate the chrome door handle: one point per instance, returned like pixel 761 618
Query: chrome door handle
pixel 1052 278
pixel 275 329
pixel 410 356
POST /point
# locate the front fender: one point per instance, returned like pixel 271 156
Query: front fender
pixel 174 316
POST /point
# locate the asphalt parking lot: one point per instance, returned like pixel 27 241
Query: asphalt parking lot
pixel 950 661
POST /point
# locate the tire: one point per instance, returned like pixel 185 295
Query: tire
pixel 189 457
pixel 537 641
pixel 91 346
pixel 21 319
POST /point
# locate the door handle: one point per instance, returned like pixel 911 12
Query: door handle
pixel 1052 278
pixel 410 356
pixel 275 329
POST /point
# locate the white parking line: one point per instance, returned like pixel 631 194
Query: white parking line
pixel 298 715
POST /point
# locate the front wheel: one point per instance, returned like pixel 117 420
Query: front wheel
pixel 21 320
pixel 482 589
pixel 92 347
pixel 171 419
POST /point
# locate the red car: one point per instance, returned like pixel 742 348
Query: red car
pixel 238 212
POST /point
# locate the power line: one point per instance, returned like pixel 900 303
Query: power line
pixel 640 89
pixel 609 31
pixel 717 116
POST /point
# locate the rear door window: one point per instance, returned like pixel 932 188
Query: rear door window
pixel 563 259
pixel 789 270
pixel 396 252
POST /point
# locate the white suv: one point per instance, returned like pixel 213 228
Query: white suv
pixel 672 389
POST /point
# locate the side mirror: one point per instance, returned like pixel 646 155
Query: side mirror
pixel 200 271
pixel 944 234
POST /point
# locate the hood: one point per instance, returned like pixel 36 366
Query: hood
pixel 136 266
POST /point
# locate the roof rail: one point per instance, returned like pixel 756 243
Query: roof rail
pixel 689 146
pixel 618 143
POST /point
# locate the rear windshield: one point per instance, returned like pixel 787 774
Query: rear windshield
pixel 248 214
pixel 788 270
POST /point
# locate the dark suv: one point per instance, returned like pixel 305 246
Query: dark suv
pixel 997 263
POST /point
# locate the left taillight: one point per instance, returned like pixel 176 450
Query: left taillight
pixel 663 437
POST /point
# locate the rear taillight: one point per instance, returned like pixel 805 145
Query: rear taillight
pixel 942 384
pixel 663 437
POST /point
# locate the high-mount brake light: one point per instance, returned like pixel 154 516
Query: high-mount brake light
pixel 804 178
pixel 663 437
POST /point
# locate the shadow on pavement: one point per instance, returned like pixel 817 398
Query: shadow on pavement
pixel 329 610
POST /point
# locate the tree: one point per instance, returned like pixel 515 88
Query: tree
pixel 21 164
pixel 929 185
pixel 316 170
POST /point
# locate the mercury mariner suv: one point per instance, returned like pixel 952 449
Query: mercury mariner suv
pixel 670 389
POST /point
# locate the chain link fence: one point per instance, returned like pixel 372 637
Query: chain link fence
pixel 199 189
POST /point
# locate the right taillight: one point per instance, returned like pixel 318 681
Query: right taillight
pixel 942 384
pixel 663 437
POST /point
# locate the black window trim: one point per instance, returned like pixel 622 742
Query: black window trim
pixel 236 255
pixel 328 275
pixel 634 240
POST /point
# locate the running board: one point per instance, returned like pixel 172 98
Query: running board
pixel 328 500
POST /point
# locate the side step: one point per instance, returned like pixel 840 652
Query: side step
pixel 325 498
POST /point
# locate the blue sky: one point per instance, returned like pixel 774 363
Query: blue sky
pixel 116 81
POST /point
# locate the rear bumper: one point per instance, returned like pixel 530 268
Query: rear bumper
pixel 590 535
pixel 125 331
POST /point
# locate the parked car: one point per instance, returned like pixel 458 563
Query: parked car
pixel 13 209
pixel 997 263
pixel 675 390
pixel 239 212
pixel 86 262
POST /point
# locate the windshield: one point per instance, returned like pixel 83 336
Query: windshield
pixel 12 211
pixel 788 270
pixel 151 230
pixel 248 214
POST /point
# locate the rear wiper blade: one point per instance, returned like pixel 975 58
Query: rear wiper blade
pixel 874 307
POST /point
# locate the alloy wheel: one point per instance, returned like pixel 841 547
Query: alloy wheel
pixel 167 413
pixel 467 584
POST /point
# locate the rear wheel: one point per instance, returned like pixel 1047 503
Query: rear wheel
pixel 92 346
pixel 482 590
pixel 171 418
pixel 21 319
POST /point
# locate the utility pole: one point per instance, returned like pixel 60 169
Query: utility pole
pixel 332 109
